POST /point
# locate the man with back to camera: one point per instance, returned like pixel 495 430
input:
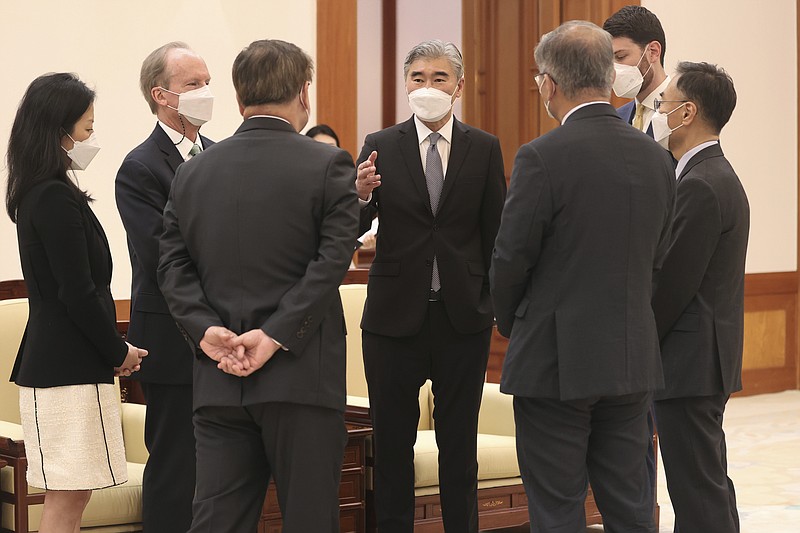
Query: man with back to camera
pixel 639 49
pixel 437 186
pixel 699 300
pixel 258 234
pixel 174 81
pixel 586 223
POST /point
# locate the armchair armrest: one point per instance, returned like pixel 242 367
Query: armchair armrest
pixel 496 416
pixel 133 416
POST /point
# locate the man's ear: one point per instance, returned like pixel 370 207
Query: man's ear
pixel 460 87
pixel 690 112
pixel 654 52
pixel 157 94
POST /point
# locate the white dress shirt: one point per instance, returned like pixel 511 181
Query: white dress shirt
pixel 649 103
pixel 181 142
pixel 445 131
pixel 571 111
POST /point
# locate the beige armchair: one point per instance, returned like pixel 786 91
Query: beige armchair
pixel 112 510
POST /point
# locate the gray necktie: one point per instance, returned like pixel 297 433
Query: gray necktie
pixel 194 151
pixel 434 177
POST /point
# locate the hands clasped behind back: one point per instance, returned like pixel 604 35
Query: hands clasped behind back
pixel 132 361
pixel 238 355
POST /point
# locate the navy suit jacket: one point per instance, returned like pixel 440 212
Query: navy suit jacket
pixel 628 111
pixel 699 296
pixel 142 188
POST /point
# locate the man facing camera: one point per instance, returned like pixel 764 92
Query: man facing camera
pixel 699 301
pixel 258 234
pixel 437 186
pixel 174 81
pixel 586 223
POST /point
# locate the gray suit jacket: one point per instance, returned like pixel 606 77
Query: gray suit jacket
pixel 586 223
pixel 259 231
pixel 699 297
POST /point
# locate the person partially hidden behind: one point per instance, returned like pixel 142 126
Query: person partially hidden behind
pixel 699 301
pixel 174 82
pixel 71 350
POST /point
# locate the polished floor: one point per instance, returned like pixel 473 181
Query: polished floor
pixel 763 435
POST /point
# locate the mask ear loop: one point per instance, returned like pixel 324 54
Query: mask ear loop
pixel 180 117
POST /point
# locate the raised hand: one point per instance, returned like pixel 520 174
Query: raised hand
pixel 366 178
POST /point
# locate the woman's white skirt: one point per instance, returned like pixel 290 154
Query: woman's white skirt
pixel 73 437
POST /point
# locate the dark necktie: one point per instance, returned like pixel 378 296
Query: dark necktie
pixel 434 177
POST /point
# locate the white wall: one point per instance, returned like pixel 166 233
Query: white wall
pixel 757 45
pixel 370 69
pixel 104 42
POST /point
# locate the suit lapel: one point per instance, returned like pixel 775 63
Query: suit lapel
pixel 706 153
pixel 409 146
pixel 88 213
pixel 164 143
pixel 458 152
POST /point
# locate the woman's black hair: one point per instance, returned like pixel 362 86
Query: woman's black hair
pixel 324 129
pixel 52 105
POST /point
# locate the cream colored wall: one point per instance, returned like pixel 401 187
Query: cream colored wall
pixel 104 42
pixel 757 44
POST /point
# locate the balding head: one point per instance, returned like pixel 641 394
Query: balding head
pixel 579 58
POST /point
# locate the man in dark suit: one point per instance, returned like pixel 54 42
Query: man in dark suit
pixel 699 301
pixel 586 223
pixel 428 313
pixel 258 234
pixel 142 187
pixel 639 47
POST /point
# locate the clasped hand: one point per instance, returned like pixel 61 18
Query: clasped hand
pixel 132 361
pixel 238 355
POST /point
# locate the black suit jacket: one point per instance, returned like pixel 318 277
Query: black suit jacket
pixel 258 233
pixel 461 235
pixel 699 297
pixel 71 337
pixel 586 222
pixel 142 188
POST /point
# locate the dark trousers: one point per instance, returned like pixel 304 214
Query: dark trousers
pixel 564 445
pixel 239 448
pixel 696 465
pixel 168 482
pixel 396 368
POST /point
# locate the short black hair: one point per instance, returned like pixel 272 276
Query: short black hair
pixel 711 88
pixel 638 24
pixel 323 129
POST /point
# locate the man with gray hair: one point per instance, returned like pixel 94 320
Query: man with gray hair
pixel 586 224
pixel 437 187
pixel 174 81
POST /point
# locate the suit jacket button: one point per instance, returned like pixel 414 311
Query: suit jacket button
pixel 428 263
pixel 436 227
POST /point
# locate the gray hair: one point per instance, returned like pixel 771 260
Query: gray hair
pixel 435 49
pixel 579 57
pixel 154 71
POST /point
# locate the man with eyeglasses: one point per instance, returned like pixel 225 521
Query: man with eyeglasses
pixel 699 300
pixel 586 223
pixel 639 48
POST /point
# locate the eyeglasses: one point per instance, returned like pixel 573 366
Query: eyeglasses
pixel 539 78
pixel 657 103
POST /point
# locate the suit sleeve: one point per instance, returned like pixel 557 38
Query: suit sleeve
pixel 140 201
pixel 302 308
pixel 695 234
pixel 526 217
pixel 60 225
pixel 178 278
pixel 369 211
pixel 494 196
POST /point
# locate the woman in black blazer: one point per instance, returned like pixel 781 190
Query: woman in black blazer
pixel 71 350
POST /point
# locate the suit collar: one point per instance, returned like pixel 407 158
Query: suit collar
pixel 164 143
pixel 593 110
pixel 458 152
pixel 265 123
pixel 715 150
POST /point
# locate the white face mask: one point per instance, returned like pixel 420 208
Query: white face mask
pixel 629 79
pixel 82 152
pixel 546 102
pixel 196 105
pixel 661 129
pixel 430 104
